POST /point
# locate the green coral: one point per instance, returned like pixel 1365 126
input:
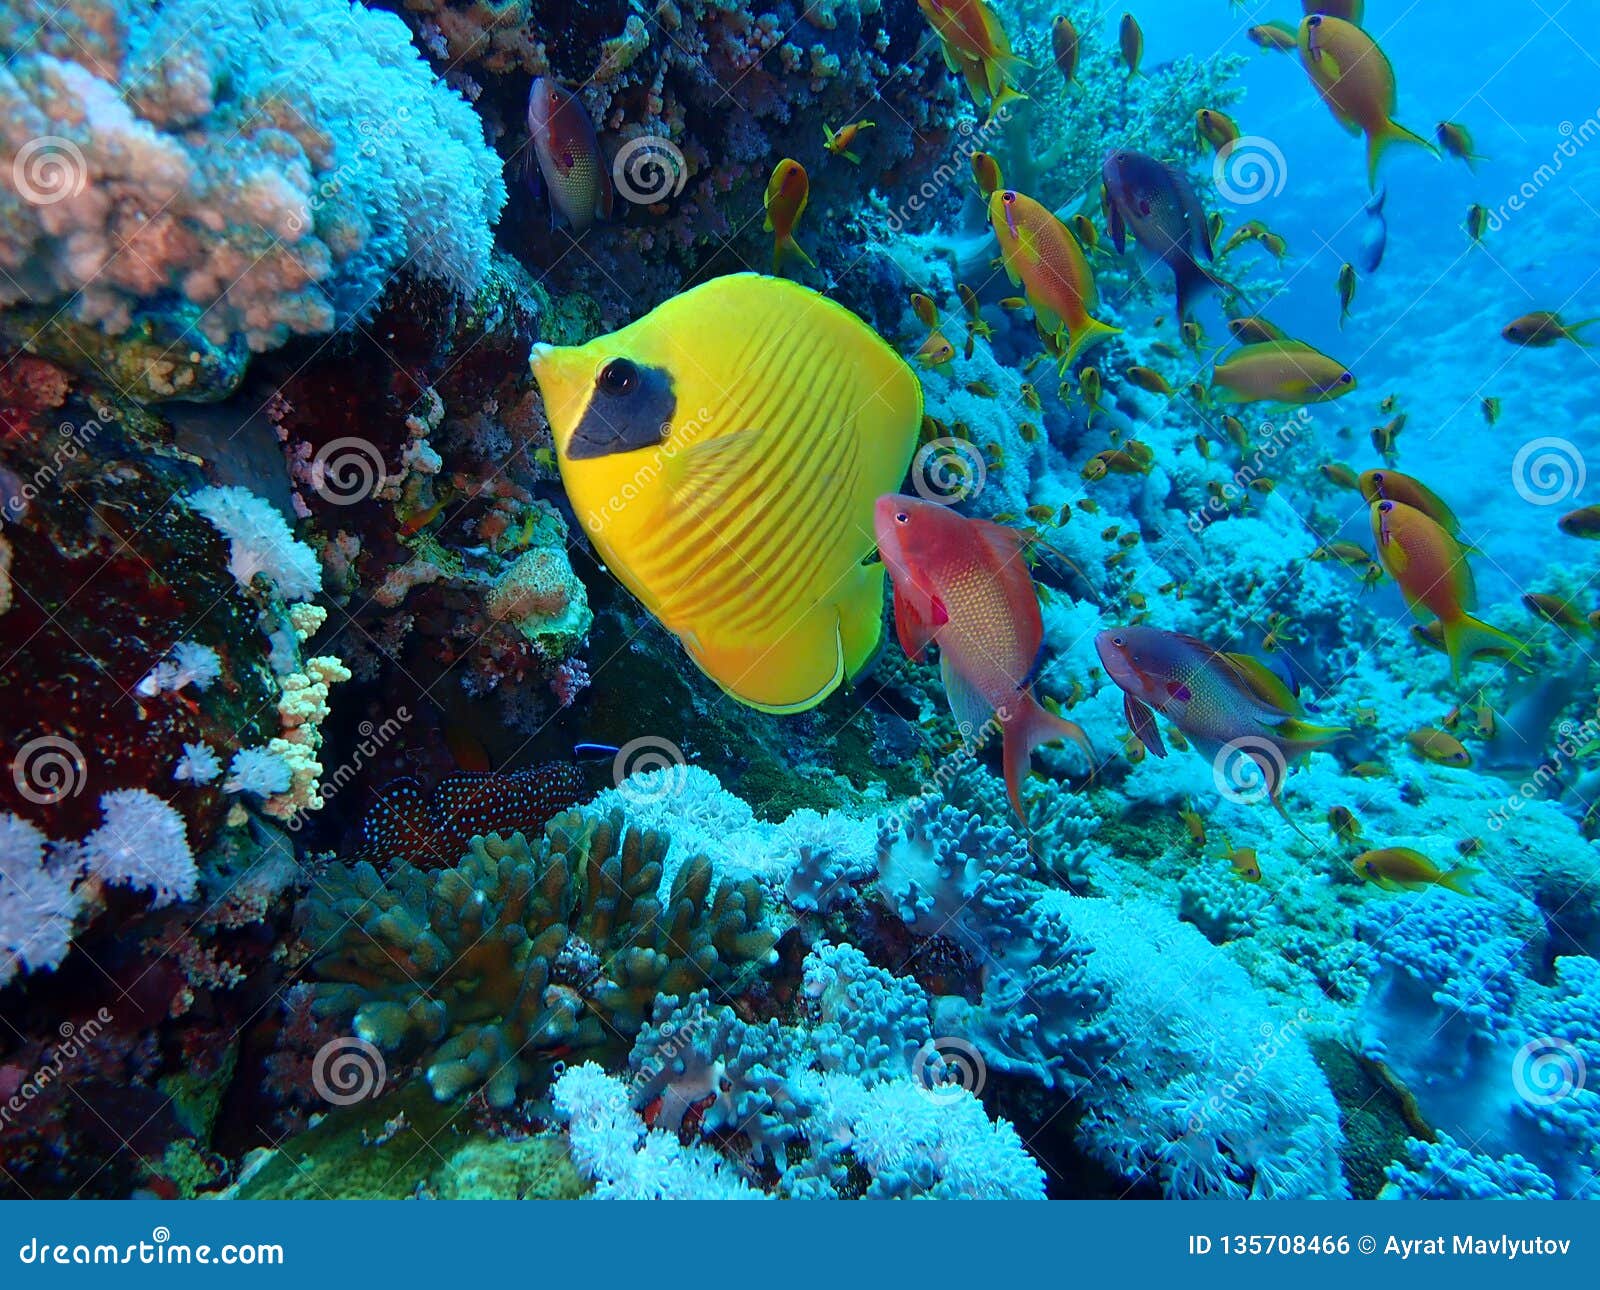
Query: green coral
pixel 522 953
pixel 157 359
pixel 405 1145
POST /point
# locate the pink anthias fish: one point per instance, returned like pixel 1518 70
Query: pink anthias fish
pixel 569 157
pixel 1222 702
pixel 962 584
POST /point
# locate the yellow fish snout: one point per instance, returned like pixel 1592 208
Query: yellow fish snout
pixel 566 377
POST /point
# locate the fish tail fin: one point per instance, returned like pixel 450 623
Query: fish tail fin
pixel 1091 332
pixel 1193 279
pixel 1572 330
pixel 1302 737
pixel 1003 96
pixel 1379 141
pixel 1283 811
pixel 1459 880
pixel 1467 637
pixel 784 247
pixel 1031 726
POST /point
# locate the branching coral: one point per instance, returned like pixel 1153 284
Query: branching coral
pixel 521 951
pixel 857 1081
pixel 952 877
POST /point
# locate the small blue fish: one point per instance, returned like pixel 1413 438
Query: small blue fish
pixel 1375 238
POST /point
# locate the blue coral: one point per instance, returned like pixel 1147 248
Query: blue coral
pixel 859 1080
pixel 1445 1170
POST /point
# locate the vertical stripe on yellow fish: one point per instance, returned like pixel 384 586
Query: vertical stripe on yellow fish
pixel 723 452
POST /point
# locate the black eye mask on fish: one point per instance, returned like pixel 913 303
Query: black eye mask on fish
pixel 631 408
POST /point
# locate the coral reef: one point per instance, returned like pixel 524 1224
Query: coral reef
pixel 525 951
pixel 859 1082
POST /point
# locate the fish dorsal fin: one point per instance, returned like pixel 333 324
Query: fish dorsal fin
pixel 1262 682
pixel 1005 542
pixel 706 471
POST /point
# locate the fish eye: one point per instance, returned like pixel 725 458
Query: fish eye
pixel 1008 196
pixel 619 376
pixel 1316 20
pixel 902 518
pixel 1118 641
pixel 1386 507
pixel 1346 379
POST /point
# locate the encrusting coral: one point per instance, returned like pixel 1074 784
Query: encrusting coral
pixel 526 951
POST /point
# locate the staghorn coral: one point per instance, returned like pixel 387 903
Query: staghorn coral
pixel 490 968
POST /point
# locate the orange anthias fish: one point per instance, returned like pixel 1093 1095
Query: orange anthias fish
pixel 976 45
pixel 1432 572
pixel 1355 80
pixel 1541 329
pixel 838 142
pixel 788 191
pixel 1377 485
pixel 1220 701
pixel 1042 256
pixel 1402 868
pixel 962 584
pixel 569 158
